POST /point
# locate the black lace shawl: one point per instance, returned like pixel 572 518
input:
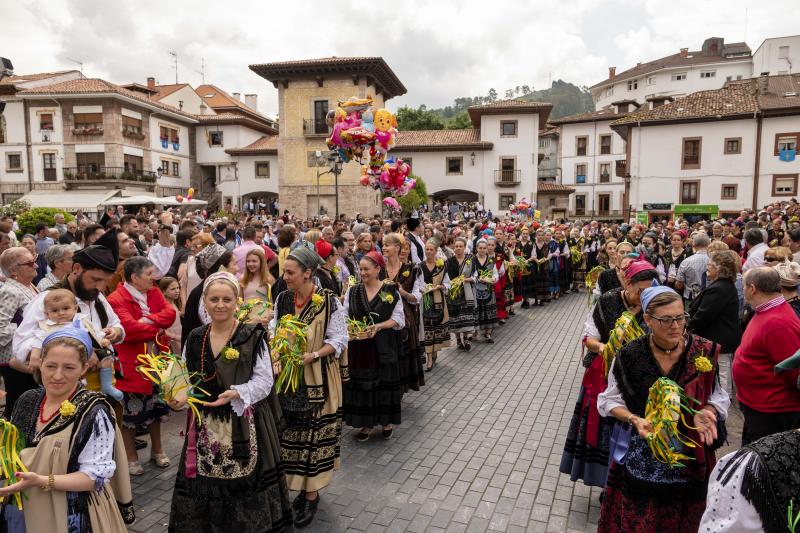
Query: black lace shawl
pixel 771 477
pixel 608 309
pixel 608 280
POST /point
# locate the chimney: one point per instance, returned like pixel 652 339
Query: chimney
pixel 684 52
pixel 237 96
pixel 151 83
pixel 763 85
pixel 203 108
pixel 251 101
pixel 612 72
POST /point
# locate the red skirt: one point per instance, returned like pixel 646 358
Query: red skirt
pixel 500 298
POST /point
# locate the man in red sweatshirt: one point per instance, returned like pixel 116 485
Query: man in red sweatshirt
pixel 770 403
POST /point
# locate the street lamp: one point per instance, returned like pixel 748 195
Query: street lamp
pixel 6 69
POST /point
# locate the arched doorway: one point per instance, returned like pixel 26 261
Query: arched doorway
pixel 261 199
pixel 455 195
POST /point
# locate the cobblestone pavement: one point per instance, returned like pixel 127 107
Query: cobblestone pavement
pixel 478 449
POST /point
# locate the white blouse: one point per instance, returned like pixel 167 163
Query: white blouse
pixel 612 398
pixel 335 334
pixel 397 313
pixel 96 460
pixel 726 509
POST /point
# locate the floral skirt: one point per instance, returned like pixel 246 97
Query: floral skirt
pixel 142 410
pixel 463 318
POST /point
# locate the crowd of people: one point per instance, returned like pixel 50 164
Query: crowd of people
pixel 377 300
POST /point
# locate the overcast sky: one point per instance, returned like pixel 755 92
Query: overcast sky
pixel 440 49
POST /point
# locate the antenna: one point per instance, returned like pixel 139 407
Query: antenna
pixel 745 25
pixel 202 70
pixel 175 63
pixel 79 63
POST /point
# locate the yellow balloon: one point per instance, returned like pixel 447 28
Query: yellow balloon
pixel 191 191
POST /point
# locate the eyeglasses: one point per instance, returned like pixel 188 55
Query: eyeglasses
pixel 27 263
pixel 667 321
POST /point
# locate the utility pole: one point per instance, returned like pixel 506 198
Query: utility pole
pixel 202 70
pixel 175 63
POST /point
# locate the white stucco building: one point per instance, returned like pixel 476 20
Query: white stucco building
pixel 715 152
pixel 494 163
pixel 777 55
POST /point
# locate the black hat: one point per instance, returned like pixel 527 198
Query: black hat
pixel 412 223
pixel 102 255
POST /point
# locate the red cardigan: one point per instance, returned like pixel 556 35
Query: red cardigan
pixel 770 337
pixel 137 333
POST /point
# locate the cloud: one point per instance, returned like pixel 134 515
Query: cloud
pixel 440 50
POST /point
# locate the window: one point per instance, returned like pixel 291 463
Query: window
pixel 320 114
pixel 408 161
pixel 508 128
pixel 605 172
pixel 262 169
pixel 784 184
pixel 169 135
pixel 633 85
pixel 88 121
pixel 13 161
pixel 610 91
pixel 215 138
pixel 580 173
pixel 132 163
pixel 605 144
pixel 678 76
pixel 604 204
pixel 164 167
pixel 455 165
pixel 552 201
pixel 580 145
pixel 508 167
pixel 3 130
pixel 49 166
pixel 783 52
pixel 90 163
pixel 708 74
pixel 506 200
pixel 131 125
pixel 728 78
pixel 651 80
pixel 733 145
pixel 691 153
pixel 580 204
pixel 176 168
pixel 690 192
pixel 738 76
pixel 786 141
pixel 46 122
pixel 544 142
pixel 729 192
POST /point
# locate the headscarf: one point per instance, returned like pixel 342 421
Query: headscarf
pixel 209 255
pixel 789 273
pixel 638 266
pixel 376 258
pixel 651 292
pixel 71 332
pixel 225 277
pixel 324 248
pixel 306 257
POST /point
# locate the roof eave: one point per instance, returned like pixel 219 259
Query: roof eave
pixel 483 146
pixel 543 111
pixel 262 151
pixel 685 120
pixel 110 94
pixel 622 77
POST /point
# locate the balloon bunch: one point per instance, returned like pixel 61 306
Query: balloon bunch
pixel 362 133
pixel 521 208
pixel 189 195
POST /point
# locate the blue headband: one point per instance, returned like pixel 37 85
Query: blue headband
pixel 71 332
pixel 651 292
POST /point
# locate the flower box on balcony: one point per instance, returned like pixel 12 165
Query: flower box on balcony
pixel 176 146
pixel 132 134
pixel 87 131
pixel 164 143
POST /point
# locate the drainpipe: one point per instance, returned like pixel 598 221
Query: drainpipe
pixel 757 165
pixel 28 142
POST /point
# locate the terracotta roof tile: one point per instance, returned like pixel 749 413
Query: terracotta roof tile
pixel 779 92
pixel 677 60
pixel 98 86
pixel 139 87
pixel 266 145
pixel 547 186
pixel 217 99
pixel 21 78
pixel 432 140
pixel 162 91
pixel 589 116
pixel 263 125
pixel 509 106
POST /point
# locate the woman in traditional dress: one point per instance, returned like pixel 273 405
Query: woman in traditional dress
pixel 587 446
pixel 524 249
pixel 405 276
pixel 313 413
pixel 461 306
pixel 373 395
pixel 553 266
pixel 325 273
pixel 643 494
pixel 485 279
pixel 435 317
pixel 614 277
pixel 77 471
pixel 499 257
pixel 564 262
pixel 513 293
pixel 579 268
pixel 540 268
pixel 230 476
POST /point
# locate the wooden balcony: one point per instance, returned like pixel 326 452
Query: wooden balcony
pixel 102 175
pixel 315 127
pixel 621 168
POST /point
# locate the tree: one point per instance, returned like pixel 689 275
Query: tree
pixel 40 215
pixel 415 197
pixel 526 90
pixel 409 119
pixel 509 93
pixel 460 122
pixel 492 95
pixel 516 89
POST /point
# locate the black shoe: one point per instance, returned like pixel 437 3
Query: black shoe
pixel 141 444
pixel 387 433
pixel 305 514
pixel 362 437
pixel 298 502
pixel 525 305
pixel 467 346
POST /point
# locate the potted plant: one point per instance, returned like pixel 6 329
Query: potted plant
pixel 176 144
pixel 127 175
pixel 164 142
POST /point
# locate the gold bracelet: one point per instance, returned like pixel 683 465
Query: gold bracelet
pixel 51 483
pixel 631 417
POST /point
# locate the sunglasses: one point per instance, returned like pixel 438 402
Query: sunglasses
pixel 27 263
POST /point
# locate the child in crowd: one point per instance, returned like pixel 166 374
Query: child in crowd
pixel 61 311
pixel 171 290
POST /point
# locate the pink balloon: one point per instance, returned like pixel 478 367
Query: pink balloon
pixel 392 203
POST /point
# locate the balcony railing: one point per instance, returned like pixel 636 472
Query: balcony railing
pixel 610 213
pixel 621 168
pixel 507 178
pixel 97 174
pixel 315 126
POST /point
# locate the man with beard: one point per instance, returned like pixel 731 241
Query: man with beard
pixel 91 268
pixel 127 249
pixel 129 225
